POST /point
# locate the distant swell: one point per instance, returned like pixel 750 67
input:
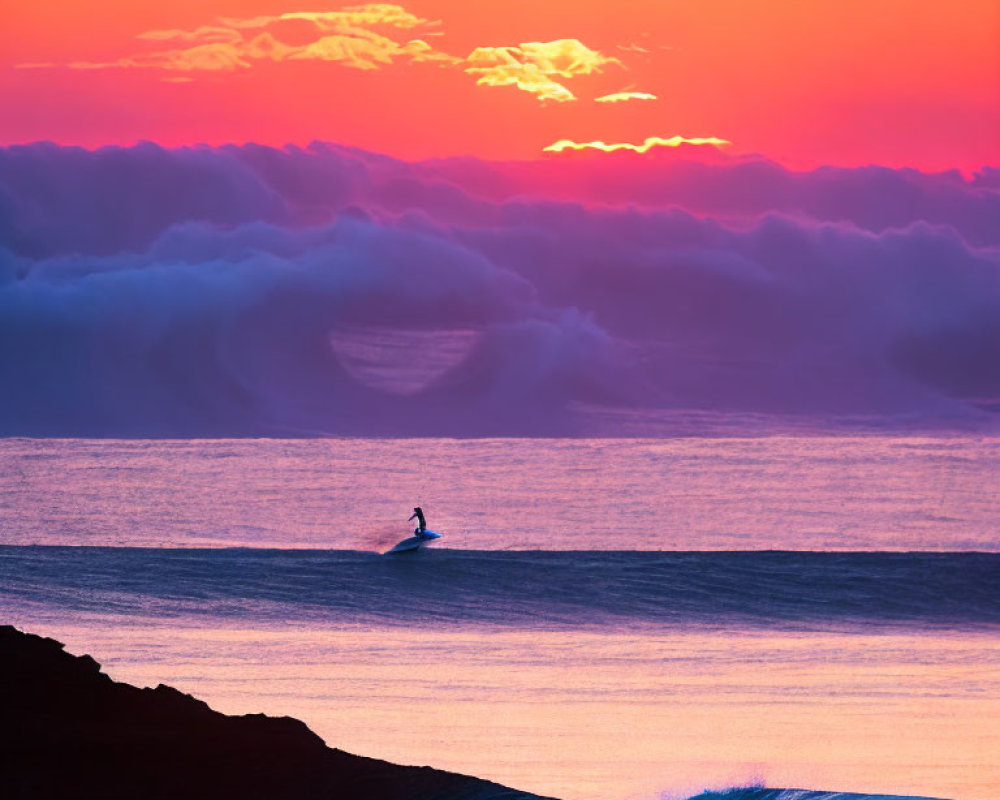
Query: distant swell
pixel 523 589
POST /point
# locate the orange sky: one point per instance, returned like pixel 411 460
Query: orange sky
pixel 897 82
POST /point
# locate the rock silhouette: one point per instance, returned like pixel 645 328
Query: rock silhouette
pixel 69 731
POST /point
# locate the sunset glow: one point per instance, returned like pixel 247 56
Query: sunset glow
pixel 803 84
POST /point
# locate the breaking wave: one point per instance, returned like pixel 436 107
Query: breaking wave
pixel 796 794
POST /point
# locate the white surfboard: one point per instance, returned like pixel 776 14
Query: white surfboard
pixel 415 542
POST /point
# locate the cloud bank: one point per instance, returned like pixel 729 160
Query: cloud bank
pixel 255 291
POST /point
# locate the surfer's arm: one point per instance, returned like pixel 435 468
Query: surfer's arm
pixel 411 517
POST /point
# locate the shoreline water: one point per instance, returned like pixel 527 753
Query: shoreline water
pixel 68 711
pixel 574 675
pixel 473 717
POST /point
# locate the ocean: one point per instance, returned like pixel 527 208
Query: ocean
pixel 619 619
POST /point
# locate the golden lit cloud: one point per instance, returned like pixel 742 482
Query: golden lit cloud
pixel 220 57
pixel 204 57
pixel 367 50
pixel 265 46
pixel 372 15
pixel 622 97
pixel 365 37
pixel 366 16
pixel 646 146
pixel 363 50
pixel 204 34
pixel 526 77
pixel 418 50
pixel 531 66
pixel 565 57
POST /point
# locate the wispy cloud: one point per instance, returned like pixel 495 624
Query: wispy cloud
pixel 648 144
pixel 622 97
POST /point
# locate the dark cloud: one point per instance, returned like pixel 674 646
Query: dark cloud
pixel 247 290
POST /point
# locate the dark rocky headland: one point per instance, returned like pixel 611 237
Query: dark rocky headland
pixel 69 731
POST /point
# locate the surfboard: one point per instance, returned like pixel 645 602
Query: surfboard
pixel 415 542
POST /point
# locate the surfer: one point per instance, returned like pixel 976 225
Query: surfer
pixel 418 512
pixel 421 535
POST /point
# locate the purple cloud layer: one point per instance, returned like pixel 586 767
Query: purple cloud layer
pixel 247 290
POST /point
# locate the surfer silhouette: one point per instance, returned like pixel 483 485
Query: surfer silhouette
pixel 418 512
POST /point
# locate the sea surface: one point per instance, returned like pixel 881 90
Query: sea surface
pixel 602 619
pixel 779 493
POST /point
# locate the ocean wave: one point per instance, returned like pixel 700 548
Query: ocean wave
pixel 759 793
pixel 545 589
